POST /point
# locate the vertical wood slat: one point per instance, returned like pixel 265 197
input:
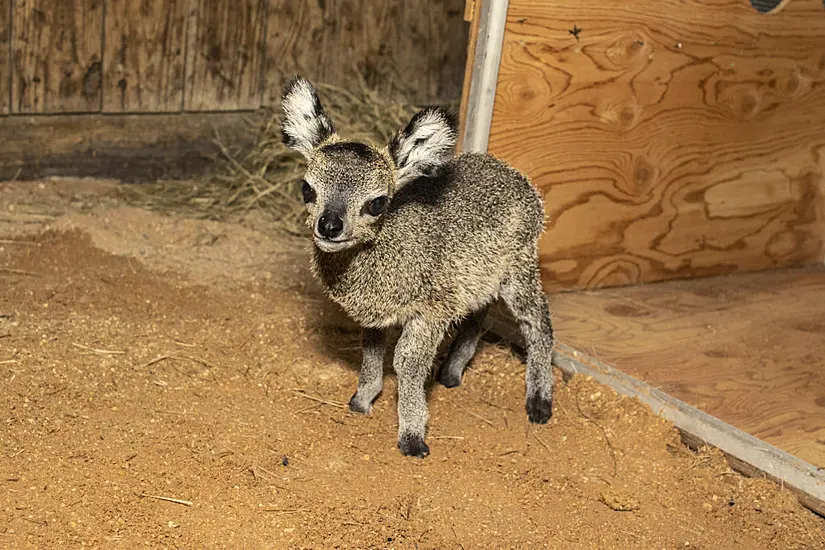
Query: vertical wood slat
pixel 56 56
pixel 144 55
pixel 5 61
pixel 345 31
pixel 205 55
pixel 410 50
pixel 224 58
pixel 294 32
pixel 408 62
pixel 386 43
pixel 449 36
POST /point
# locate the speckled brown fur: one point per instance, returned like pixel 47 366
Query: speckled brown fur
pixel 457 233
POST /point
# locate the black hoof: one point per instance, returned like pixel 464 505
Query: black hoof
pixel 413 445
pixel 356 407
pixel 539 409
pixel 449 380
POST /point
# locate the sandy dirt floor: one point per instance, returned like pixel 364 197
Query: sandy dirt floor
pixel 175 382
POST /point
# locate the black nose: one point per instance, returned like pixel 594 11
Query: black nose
pixel 330 225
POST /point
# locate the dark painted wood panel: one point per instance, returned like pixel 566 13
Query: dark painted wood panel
pixel 56 56
pixel 144 55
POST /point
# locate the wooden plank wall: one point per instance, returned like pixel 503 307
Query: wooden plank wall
pixel 413 49
pixel 144 56
pixel 670 138
pixel 56 50
pixel 225 49
pixel 152 56
pixel 5 70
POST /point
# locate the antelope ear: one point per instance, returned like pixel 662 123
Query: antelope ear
pixel 305 123
pixel 424 144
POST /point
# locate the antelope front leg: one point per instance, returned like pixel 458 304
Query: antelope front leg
pixel 414 355
pixel 371 377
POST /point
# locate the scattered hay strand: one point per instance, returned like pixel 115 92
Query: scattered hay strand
pixel 160 358
pixel 155 361
pixel 98 351
pixel 13 271
pixel 606 436
pixel 486 420
pixel 489 403
pixel 455 534
pixel 541 442
pixel 184 344
pixel 319 400
pixel 254 469
pixel 312 407
pixel 169 499
pixel 19 243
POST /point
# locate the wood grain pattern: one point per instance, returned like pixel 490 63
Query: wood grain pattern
pixel 294 31
pixel 374 44
pixel 210 55
pixel 131 148
pixel 144 55
pixel 5 68
pixel 412 50
pixel 56 56
pixel 747 348
pixel 670 139
pixel 447 55
pixel 469 10
pixel 225 51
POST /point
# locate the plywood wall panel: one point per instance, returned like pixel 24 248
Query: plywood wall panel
pixel 670 138
pixel 56 56
pixel 144 55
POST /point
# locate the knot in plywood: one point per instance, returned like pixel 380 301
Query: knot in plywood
pixel 621 115
pixel 629 49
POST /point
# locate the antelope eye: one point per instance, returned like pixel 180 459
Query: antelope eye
pixel 376 206
pixel 307 191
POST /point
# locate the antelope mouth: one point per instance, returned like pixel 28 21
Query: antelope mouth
pixel 327 245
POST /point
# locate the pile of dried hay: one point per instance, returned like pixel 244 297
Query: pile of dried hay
pixel 266 175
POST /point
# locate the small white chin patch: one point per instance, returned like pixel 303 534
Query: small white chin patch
pixel 332 246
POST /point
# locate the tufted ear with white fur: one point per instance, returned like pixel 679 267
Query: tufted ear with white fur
pixel 305 124
pixel 424 144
